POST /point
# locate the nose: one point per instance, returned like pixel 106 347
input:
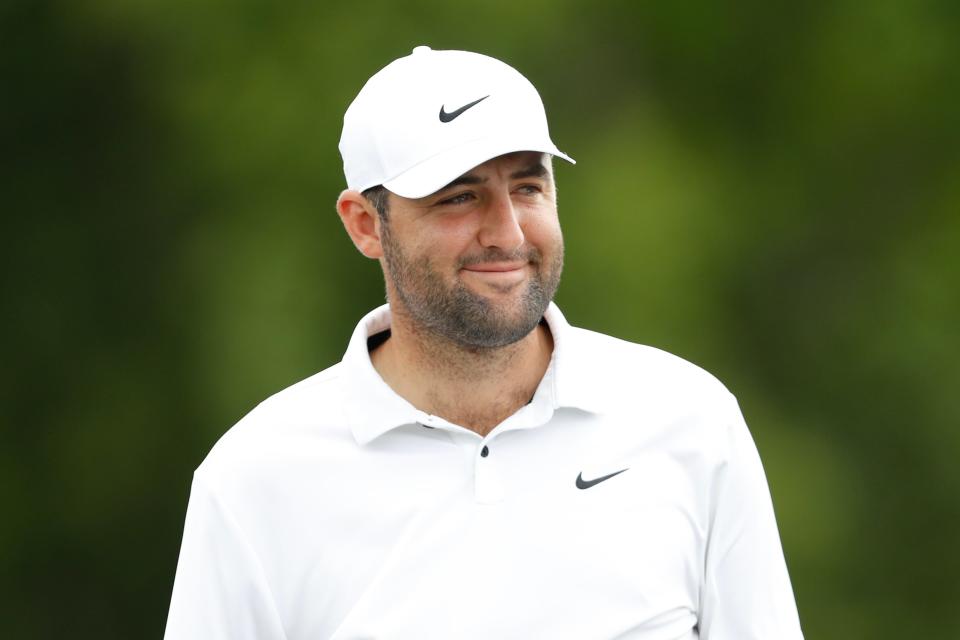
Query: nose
pixel 500 226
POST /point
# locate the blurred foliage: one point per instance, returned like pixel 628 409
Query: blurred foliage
pixel 771 190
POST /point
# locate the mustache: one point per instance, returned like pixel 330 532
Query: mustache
pixel 493 254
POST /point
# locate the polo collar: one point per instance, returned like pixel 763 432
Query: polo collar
pixel 372 408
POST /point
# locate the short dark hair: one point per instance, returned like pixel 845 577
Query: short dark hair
pixel 379 197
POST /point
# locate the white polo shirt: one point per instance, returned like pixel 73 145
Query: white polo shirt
pixel 626 501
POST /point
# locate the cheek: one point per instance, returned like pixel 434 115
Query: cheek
pixel 445 241
pixel 544 232
pixel 453 230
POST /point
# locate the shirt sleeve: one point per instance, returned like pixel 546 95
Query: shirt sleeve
pixel 220 591
pixel 746 592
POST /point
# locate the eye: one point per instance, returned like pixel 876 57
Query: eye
pixel 530 189
pixel 460 198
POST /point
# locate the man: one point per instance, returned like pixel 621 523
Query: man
pixel 475 467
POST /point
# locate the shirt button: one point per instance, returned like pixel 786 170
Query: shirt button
pixel 484 452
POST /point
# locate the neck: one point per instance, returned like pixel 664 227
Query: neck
pixel 476 388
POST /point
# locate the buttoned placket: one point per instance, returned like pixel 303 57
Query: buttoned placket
pixel 480 452
pixel 487 476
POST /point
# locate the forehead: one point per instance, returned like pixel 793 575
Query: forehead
pixel 519 164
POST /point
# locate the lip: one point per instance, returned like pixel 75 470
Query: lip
pixel 496 267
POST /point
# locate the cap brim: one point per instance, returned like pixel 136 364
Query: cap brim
pixel 433 174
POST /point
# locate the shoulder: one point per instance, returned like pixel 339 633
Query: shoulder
pixel 300 418
pixel 649 395
pixel 630 367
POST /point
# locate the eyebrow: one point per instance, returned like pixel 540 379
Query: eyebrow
pixel 535 170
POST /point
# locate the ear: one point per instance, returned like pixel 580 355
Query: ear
pixel 361 221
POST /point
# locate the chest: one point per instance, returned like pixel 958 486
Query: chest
pixel 397 546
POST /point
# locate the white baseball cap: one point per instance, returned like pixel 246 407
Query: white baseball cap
pixel 431 116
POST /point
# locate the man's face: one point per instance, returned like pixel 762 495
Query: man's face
pixel 478 261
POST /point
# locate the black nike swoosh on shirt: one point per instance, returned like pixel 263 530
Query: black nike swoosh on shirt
pixel 449 117
pixel 586 484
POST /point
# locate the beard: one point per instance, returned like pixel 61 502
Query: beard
pixel 461 315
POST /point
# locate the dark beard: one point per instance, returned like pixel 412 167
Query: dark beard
pixel 458 314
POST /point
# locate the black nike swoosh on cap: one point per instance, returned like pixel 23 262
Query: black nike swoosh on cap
pixel 586 484
pixel 449 117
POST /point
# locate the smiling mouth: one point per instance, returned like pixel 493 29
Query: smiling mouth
pixel 500 277
pixel 495 267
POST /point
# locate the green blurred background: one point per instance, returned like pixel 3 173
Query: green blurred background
pixel 771 190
